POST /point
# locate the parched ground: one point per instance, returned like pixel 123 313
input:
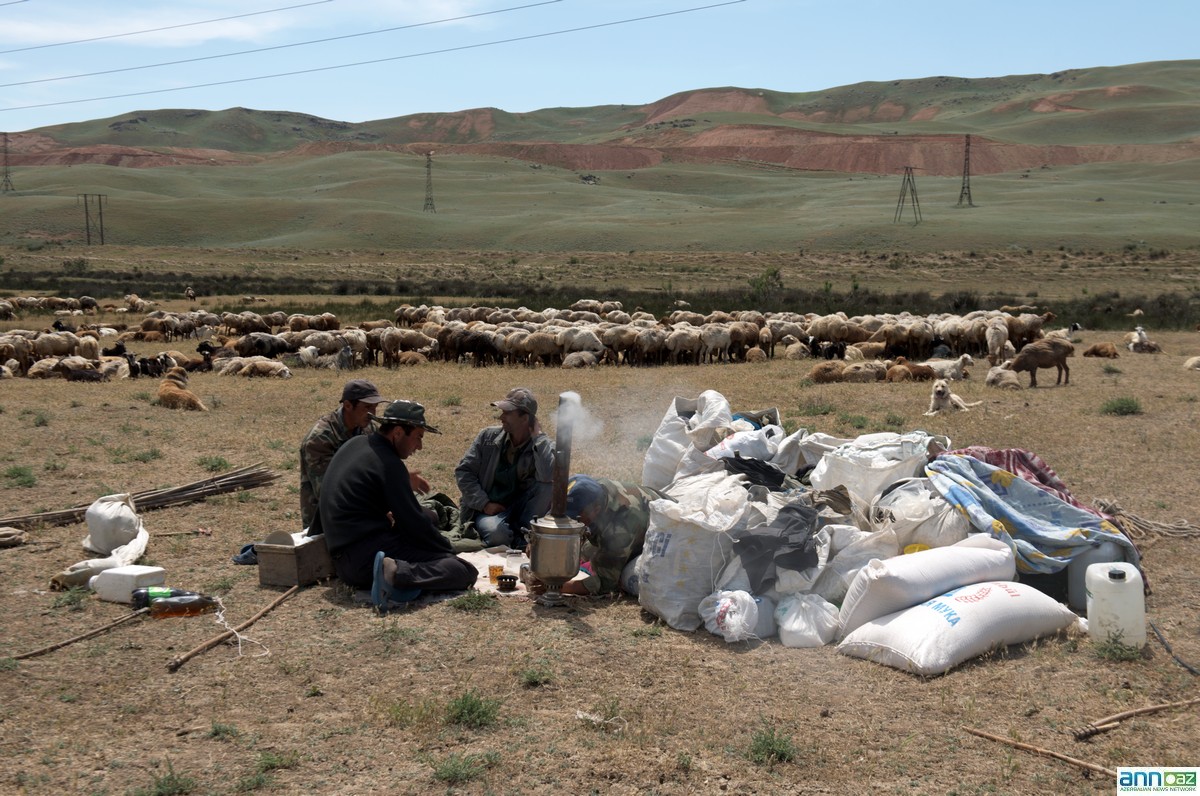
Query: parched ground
pixel 326 697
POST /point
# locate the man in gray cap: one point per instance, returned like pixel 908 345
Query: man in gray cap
pixel 360 398
pixel 377 533
pixel 505 476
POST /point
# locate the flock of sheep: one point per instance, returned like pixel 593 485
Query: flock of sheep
pixel 877 347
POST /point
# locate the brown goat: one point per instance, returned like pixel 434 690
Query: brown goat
pixel 1049 352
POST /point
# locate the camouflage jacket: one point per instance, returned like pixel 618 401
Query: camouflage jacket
pixel 316 452
pixel 616 533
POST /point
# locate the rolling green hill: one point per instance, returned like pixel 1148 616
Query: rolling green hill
pixel 1104 157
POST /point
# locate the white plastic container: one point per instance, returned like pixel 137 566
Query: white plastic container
pixel 1103 553
pixel 1115 603
pixel 116 585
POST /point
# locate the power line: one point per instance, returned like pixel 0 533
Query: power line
pixel 13 2
pixel 277 46
pixel 157 30
pixel 377 60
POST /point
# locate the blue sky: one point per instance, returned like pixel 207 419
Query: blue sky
pixel 515 55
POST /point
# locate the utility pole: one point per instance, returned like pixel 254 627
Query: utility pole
pixel 99 199
pixel 6 184
pixel 965 193
pixel 429 206
pixel 909 186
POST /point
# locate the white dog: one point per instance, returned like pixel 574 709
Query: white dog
pixel 941 398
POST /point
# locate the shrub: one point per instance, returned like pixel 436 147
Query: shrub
pixel 214 464
pixel 1121 406
pixel 19 475
pixel 473 711
pixel 456 769
pixel 473 602
pixel 768 747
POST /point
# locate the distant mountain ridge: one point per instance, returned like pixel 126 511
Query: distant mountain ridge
pixel 1140 113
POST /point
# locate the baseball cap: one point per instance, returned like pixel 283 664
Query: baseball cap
pixel 409 413
pixel 520 399
pixel 583 492
pixel 362 390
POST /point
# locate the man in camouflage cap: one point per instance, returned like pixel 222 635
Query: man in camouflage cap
pixel 615 516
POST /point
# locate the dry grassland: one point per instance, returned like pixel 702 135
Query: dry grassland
pixel 349 702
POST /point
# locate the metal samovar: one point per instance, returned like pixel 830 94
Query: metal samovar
pixel 555 540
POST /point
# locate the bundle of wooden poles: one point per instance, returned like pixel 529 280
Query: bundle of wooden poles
pixel 249 477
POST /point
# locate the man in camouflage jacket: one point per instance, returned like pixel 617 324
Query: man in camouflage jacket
pixel 615 515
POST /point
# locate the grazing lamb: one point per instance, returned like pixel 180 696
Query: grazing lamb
pixel 1105 350
pixel 1048 352
pixel 174 394
pixel 1002 378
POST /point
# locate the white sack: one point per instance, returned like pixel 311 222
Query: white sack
pixel 937 635
pixel 115 530
pixel 733 615
pixel 851 551
pixel 888 585
pixel 761 443
pixel 872 462
pixel 112 521
pixel 805 620
pixel 629 578
pixel 789 454
pixel 687 545
pixel 698 422
pixel 918 514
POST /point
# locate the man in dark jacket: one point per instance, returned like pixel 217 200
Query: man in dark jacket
pixel 505 477
pixel 377 533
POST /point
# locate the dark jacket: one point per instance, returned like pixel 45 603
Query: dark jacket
pixel 477 470
pixel 365 481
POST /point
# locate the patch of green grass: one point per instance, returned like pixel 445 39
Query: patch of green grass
pixel 814 408
pixel 259 779
pixel 8 664
pixel 143 396
pixel 474 602
pixel 536 676
pixel 473 711
pixel 270 761
pixel 457 769
pixel 223 732
pixel 214 464
pixel 169 784
pixel 854 421
pixel 1114 649
pixel 643 442
pixel 124 456
pixel 452 400
pixel 393 636
pixel 73 599
pixel 769 746
pixel 54 467
pixel 275 444
pixel 19 475
pixel 41 420
pixel 411 714
pixel 1121 406
pixel 894 420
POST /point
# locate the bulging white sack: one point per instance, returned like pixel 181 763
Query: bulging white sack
pixel 805 620
pixel 935 636
pixel 698 422
pixel 888 585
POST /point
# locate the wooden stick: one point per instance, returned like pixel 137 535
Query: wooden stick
pixel 87 635
pixel 180 660
pixel 1046 752
pixel 1108 722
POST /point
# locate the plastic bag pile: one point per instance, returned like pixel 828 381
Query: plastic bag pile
pixel 748 551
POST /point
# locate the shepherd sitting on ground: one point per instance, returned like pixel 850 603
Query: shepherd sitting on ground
pixel 505 477
pixel 378 535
